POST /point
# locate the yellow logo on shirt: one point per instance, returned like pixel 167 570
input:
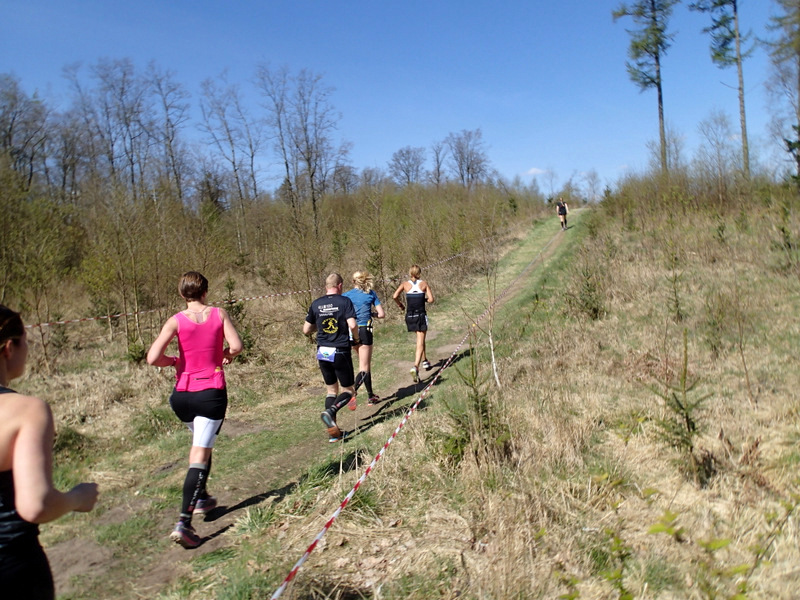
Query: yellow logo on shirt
pixel 330 325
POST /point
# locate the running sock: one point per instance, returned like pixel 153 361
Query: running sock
pixel 204 492
pixel 341 401
pixel 361 378
pixel 368 383
pixel 330 400
pixel 194 483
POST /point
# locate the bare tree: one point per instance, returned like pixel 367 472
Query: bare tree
pixel 674 143
pixel 302 121
pixel 570 191
pixel 550 176
pixel 715 157
pixel 237 138
pixel 648 46
pixel 23 127
pixel 785 56
pixel 726 51
pixel 468 159
pixel 125 114
pixel 345 179
pixel 592 180
pixel 67 154
pixel 407 164
pixel 372 178
pixel 173 107
pixel 436 174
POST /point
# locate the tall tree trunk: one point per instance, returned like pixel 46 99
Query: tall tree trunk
pixel 662 134
pixel 742 117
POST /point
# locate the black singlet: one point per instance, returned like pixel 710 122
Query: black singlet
pixel 12 527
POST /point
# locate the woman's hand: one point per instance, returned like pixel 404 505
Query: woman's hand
pixel 85 494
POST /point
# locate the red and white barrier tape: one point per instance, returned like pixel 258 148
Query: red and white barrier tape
pixel 411 410
pixel 361 479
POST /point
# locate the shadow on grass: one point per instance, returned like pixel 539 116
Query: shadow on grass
pixel 391 408
pixel 347 463
pixel 394 407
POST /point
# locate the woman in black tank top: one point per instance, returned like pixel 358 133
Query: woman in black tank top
pixel 27 494
pixel 418 293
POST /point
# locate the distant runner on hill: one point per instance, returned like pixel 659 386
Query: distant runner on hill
pixel 417 292
pixel 200 397
pixel 333 317
pixel 364 300
pixel 562 210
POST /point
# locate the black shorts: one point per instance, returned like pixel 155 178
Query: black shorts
pixel 417 322
pixel 365 334
pixel 341 369
pixel 25 573
pixel 210 404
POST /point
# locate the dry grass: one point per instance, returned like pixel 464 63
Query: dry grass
pixel 564 505
pixel 570 511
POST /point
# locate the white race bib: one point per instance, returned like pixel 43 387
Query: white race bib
pixel 326 353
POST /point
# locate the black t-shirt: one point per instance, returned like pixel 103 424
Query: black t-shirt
pixel 330 313
pixel 562 208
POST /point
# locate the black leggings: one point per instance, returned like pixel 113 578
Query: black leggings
pixel 25 573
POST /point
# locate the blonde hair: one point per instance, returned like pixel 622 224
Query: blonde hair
pixel 415 272
pixel 363 280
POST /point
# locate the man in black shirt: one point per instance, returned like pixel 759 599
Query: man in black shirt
pixel 333 317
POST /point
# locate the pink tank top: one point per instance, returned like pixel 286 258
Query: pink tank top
pixel 200 362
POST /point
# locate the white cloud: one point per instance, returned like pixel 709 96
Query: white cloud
pixel 536 171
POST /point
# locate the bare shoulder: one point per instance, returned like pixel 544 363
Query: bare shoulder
pixel 18 409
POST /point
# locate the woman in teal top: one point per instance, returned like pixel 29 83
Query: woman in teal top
pixel 365 300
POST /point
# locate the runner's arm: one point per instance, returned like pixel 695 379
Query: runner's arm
pixel 353 325
pixel 235 345
pixel 155 355
pixel 36 498
pixel 396 296
pixel 428 294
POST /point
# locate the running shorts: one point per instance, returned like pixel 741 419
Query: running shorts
pixel 341 369
pixel 202 412
pixel 417 322
pixel 365 335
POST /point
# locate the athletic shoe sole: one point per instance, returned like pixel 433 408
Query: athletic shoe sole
pixel 341 438
pixel 333 429
pixel 352 405
pixel 414 374
pixel 184 538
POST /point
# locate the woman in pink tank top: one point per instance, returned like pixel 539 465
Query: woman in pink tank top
pixel 200 398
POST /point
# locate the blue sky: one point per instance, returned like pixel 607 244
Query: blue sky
pixel 545 81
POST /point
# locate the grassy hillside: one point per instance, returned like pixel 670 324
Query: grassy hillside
pixel 622 424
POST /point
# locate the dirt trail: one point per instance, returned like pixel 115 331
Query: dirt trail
pixel 76 562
